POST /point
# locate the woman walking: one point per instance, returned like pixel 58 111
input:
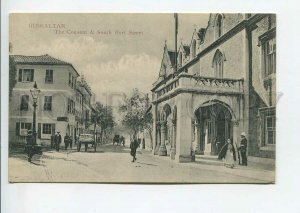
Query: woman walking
pixel 227 153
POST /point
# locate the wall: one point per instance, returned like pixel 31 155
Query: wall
pixel 258 94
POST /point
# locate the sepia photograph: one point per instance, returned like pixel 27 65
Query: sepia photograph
pixel 146 98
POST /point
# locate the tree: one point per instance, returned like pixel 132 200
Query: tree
pixel 12 75
pixel 135 116
pixel 102 116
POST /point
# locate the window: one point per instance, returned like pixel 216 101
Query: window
pixel 269 50
pixel 24 102
pixel 267 123
pixel 70 79
pixel 194 49
pixel 71 106
pixel 219 26
pixel 47 129
pixel 270 127
pixel 48 103
pixel 26 75
pixel 22 128
pixel 218 64
pixel 49 76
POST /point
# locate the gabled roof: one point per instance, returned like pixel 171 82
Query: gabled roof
pixel 40 60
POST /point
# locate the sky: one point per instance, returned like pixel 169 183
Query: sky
pixel 114 52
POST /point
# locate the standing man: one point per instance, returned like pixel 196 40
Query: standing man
pixel 57 141
pixel 133 146
pixel 243 148
pixel 66 141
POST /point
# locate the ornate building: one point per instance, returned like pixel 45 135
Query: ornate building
pixel 224 85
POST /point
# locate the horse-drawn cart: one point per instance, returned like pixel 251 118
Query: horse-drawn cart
pixel 86 139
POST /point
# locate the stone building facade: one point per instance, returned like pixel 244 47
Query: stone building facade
pixel 224 85
pixel 61 102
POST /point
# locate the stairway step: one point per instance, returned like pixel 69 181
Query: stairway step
pixel 207 157
pixel 209 162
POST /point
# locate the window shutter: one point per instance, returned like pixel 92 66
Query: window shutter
pixel 52 128
pixel 20 75
pixel 18 128
pixel 39 130
pixel 32 75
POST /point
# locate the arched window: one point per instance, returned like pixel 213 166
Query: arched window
pixel 194 49
pixel 180 59
pixel 218 64
pixel 219 26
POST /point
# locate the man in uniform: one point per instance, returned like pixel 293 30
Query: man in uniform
pixel 243 148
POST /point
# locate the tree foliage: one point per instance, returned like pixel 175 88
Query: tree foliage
pixel 134 109
pixel 102 116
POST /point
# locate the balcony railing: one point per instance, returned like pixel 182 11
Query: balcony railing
pixel 199 84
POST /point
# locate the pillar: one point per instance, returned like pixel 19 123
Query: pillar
pixel 154 134
pixel 236 132
pixel 162 148
pixel 173 148
pixel 158 138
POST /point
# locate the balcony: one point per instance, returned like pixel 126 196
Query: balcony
pixel 188 83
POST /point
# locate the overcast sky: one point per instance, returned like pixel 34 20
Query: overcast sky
pixel 110 63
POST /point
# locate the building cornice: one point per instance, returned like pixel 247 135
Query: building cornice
pixel 195 91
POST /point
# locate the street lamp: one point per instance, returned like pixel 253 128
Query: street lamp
pixel 35 94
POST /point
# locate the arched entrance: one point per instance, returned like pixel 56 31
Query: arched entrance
pixel 213 121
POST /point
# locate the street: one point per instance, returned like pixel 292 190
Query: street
pixel 113 164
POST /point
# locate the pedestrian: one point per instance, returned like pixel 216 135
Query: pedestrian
pixel 29 145
pixel 133 146
pixel 243 149
pixel 52 142
pixel 66 141
pixel 227 153
pixel 70 142
pixel 57 141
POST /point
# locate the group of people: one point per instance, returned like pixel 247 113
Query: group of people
pixel 228 152
pixel 56 141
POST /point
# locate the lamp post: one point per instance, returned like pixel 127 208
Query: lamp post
pixel 35 94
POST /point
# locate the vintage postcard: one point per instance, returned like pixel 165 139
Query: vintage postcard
pixel 142 98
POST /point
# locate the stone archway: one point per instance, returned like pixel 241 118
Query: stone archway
pixel 213 124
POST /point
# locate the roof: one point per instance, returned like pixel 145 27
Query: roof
pixel 40 60
pixel 172 57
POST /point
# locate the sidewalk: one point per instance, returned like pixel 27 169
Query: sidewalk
pixel 258 171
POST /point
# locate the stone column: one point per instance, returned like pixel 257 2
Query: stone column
pixel 236 135
pixel 158 138
pixel 154 135
pixel 162 148
pixel 173 148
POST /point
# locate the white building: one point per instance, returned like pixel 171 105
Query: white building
pixel 57 81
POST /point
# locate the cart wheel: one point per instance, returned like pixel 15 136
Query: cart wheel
pixel 78 147
pixel 86 147
pixel 95 146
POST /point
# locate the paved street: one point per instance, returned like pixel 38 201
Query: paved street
pixel 113 164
